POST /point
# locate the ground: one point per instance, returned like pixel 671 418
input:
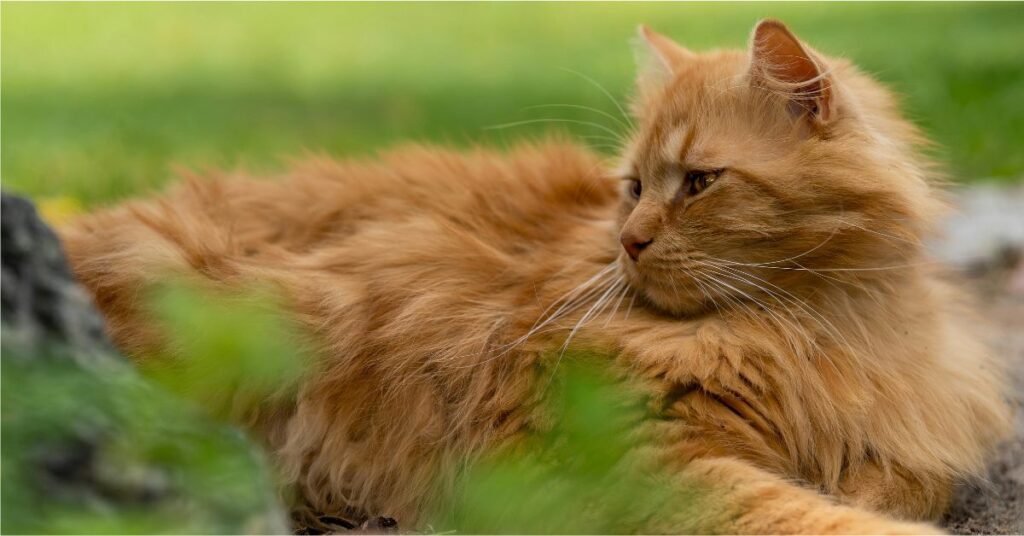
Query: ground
pixel 987 240
pixel 997 506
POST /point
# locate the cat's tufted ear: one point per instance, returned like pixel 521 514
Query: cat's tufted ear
pixel 658 57
pixel 782 64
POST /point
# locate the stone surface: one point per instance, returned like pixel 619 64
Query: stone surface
pixel 42 305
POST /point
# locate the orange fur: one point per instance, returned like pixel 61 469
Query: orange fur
pixel 786 319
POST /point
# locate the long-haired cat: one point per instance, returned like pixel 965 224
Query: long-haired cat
pixel 756 260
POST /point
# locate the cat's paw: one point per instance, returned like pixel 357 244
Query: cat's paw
pixel 867 523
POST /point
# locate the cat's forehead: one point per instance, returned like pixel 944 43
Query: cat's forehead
pixel 685 142
pixel 730 132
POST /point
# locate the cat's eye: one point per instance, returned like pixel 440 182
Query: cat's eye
pixel 635 188
pixel 698 180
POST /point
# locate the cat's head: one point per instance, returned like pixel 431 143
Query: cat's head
pixel 769 171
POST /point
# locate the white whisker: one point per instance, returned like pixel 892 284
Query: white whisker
pixel 592 124
pixel 607 93
pixel 582 107
pixel 594 310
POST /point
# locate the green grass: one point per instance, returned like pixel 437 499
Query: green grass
pixel 102 101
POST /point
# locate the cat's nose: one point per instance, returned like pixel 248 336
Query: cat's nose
pixel 634 244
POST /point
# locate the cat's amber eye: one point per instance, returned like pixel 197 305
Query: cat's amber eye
pixel 635 188
pixel 698 180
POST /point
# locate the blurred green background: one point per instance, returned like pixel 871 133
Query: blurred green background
pixel 102 101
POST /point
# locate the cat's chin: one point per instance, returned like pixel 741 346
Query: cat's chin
pixel 674 299
pixel 667 304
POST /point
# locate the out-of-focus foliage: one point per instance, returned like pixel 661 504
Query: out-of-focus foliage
pixel 100 100
pixel 100 450
pixel 91 446
pixel 582 476
pixel 228 352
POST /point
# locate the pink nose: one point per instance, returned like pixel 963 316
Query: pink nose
pixel 634 244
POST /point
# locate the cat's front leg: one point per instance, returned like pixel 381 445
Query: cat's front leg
pixel 897 491
pixel 731 496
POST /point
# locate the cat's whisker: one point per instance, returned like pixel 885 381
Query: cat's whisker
pixel 594 310
pixel 835 230
pixel 763 306
pixel 578 295
pixel 742 277
pixel 816 316
pixel 855 283
pixel 715 284
pixel 726 286
pixel 789 328
pixel 603 142
pixel 573 298
pixel 603 274
pixel 704 289
pixel 675 288
pixel 622 296
pixel 630 308
pixel 867 269
pixel 788 259
pixel 591 124
pixel 700 287
pixel 603 113
pixel 831 280
pixel 916 243
pixel 607 93
pixel 599 137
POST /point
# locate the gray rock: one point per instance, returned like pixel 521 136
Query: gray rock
pixel 42 305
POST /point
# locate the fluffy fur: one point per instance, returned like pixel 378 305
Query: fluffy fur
pixel 811 368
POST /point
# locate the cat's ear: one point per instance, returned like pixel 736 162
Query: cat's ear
pixel 781 63
pixel 658 57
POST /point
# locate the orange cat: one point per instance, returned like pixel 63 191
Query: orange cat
pixel 760 271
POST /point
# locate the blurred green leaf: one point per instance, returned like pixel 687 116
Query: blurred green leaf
pixel 99 450
pixel 579 477
pixel 231 352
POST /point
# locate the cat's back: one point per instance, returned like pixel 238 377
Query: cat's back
pixel 529 194
pixel 525 193
pixel 417 217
